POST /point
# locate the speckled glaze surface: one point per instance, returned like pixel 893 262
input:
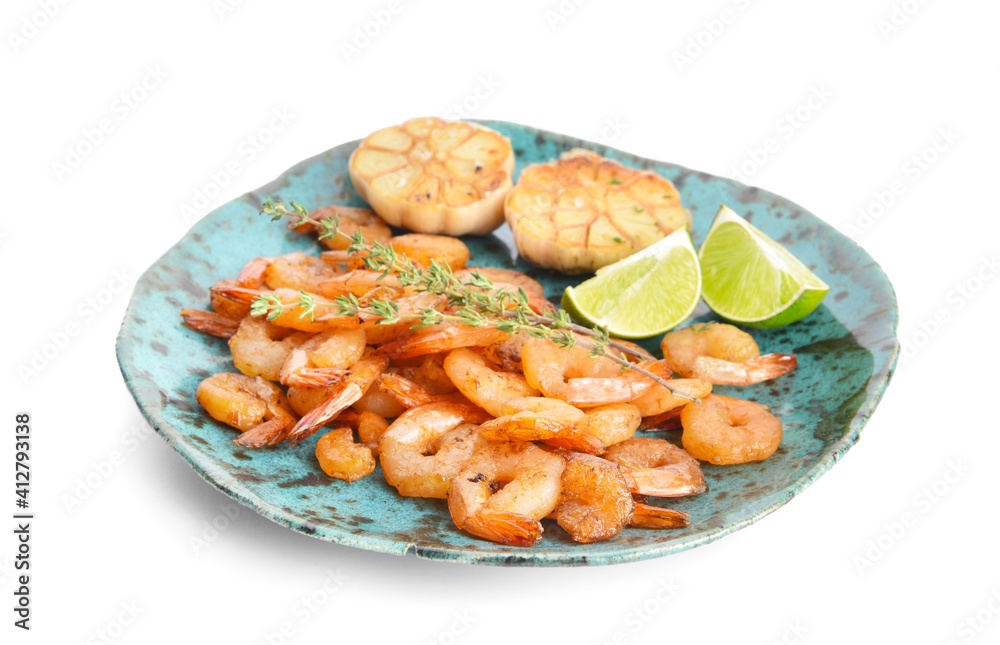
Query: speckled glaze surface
pixel 847 350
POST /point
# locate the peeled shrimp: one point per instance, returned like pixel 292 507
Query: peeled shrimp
pixel 551 421
pixel 405 448
pixel 481 383
pixel 348 390
pixel 724 430
pixel 611 423
pixel 350 219
pixel 659 399
pixel 250 404
pixel 722 354
pixel 481 504
pixel 440 340
pixel 322 359
pixel 293 316
pixel 506 351
pixel 261 349
pixel 573 376
pixel 421 249
pixel 658 468
pixel 298 271
pixel 340 457
pixel 596 502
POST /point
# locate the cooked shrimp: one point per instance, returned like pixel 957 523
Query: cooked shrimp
pixel 322 359
pixel 371 427
pixel 573 376
pixel 260 348
pixel 340 457
pixel 349 220
pixel 658 468
pixel 405 449
pixel 252 405
pixel 659 399
pixel 293 316
pixel 209 322
pixel 421 249
pixel 298 271
pixel 481 504
pixel 481 383
pixel 343 394
pixel 536 418
pixel 596 502
pixel 509 281
pixel 724 430
pixel 503 276
pixel 722 354
pixel 250 277
pixel 532 426
pixel 611 423
pixel 506 351
pixel 379 400
pixel 359 283
pixel 430 375
pixel 440 340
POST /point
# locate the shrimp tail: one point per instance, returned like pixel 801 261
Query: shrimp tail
pixel 665 482
pixel 504 527
pixel 209 322
pixel 268 433
pixel 669 420
pixel 311 377
pixel 646 516
pixel 339 400
pixel 241 295
pixel 409 394
pixel 252 275
pixel 749 372
pixel 580 442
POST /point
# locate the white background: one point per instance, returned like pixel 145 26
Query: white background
pixel 832 566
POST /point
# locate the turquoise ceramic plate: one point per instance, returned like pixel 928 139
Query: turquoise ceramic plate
pixel 847 350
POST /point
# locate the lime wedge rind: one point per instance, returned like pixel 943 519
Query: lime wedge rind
pixel 752 280
pixel 618 296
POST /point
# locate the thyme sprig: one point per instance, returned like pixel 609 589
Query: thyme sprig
pixel 475 302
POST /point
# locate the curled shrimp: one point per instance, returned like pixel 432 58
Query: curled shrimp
pixel 420 248
pixel 572 375
pixel 321 360
pixel 293 315
pixel 250 277
pixel 482 383
pixel 659 400
pixel 509 281
pixel 297 271
pixel 412 461
pixel 349 220
pixel 722 354
pixel 261 349
pixel 506 351
pixel 724 430
pixel 551 421
pixel 341 395
pixel 658 468
pixel 504 490
pixel 252 405
pixel 340 457
pixel 612 423
pixel 440 339
pixel 211 323
pixel 596 502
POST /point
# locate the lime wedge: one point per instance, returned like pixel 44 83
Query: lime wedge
pixel 752 280
pixel 643 295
